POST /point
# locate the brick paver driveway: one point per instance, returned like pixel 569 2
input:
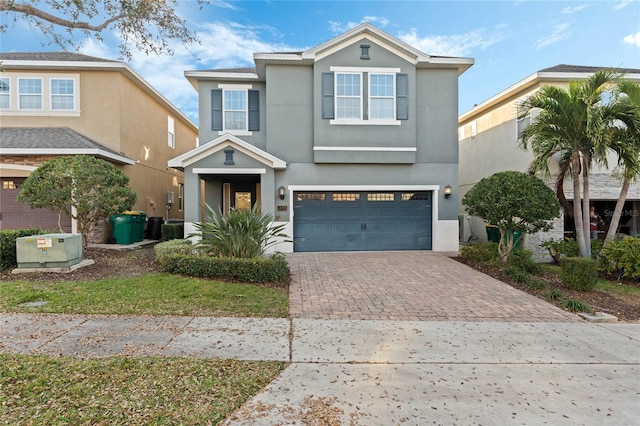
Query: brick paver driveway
pixel 409 286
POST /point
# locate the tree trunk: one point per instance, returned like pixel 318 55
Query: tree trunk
pixel 577 208
pixel 617 213
pixel 586 217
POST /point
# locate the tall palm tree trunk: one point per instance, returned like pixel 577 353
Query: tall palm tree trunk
pixel 617 212
pixel 586 218
pixel 577 208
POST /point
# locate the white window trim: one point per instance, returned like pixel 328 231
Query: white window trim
pixel 51 94
pixel 473 131
pixel 171 132
pixel 361 71
pixel 359 74
pixel 392 97
pixel 42 90
pixel 46 111
pixel 246 88
pixel 7 94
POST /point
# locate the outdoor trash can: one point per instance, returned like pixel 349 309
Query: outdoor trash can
pixel 139 220
pixel 493 235
pixel 122 228
pixel 154 229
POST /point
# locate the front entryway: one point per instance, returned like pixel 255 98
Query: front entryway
pixel 362 221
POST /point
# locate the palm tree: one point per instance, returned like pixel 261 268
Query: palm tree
pixel 571 127
pixel 625 142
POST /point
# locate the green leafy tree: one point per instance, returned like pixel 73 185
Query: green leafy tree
pixel 512 201
pixel 241 233
pixel 573 126
pixel 85 188
pixel 147 25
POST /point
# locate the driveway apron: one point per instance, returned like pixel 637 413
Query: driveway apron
pixel 406 286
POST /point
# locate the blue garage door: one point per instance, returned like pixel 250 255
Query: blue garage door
pixel 360 221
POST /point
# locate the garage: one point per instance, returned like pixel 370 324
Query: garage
pixel 362 221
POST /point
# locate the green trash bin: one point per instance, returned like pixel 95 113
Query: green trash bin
pixel 139 219
pixel 493 235
pixel 122 228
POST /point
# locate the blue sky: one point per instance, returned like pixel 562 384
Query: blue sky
pixel 509 40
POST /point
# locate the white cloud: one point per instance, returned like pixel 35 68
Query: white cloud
pixel 560 32
pixel 452 45
pixel 633 39
pixel 622 5
pixel 337 27
pixel 573 9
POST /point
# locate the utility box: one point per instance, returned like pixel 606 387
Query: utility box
pixel 49 251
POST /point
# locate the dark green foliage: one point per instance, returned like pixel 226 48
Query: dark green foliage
pixel 553 294
pixel 523 259
pixel 568 247
pixel 172 231
pixel 272 269
pixel 578 273
pixel 8 245
pixel 537 285
pixel 484 252
pixel 176 246
pixel 517 274
pixel 512 201
pixel 621 258
pixel 574 305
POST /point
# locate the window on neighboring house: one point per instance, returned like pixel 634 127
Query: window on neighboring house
pixel 370 96
pixel 171 138
pixel 5 93
pixel 62 94
pixel 235 110
pixel 522 123
pixel 473 133
pixel 181 196
pixel 30 93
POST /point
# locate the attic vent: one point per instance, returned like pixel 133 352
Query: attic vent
pixel 365 51
pixel 228 161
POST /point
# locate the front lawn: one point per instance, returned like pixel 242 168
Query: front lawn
pixel 151 294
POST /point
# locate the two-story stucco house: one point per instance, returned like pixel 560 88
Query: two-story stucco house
pixel 60 103
pixel 350 144
pixel 489 143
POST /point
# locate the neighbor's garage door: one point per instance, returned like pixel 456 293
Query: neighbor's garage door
pixel 356 221
pixel 16 215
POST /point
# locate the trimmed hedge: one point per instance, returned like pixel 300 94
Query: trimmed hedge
pixel 172 231
pixel 621 258
pixel 272 269
pixel 161 250
pixel 8 257
pixel 578 273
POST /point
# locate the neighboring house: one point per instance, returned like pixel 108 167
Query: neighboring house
pixel 350 144
pixel 489 143
pixel 60 103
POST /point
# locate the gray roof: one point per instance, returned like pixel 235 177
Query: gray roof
pixel 26 140
pixel 50 57
pixel 587 69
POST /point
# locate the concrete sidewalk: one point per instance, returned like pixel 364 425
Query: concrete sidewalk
pixel 367 372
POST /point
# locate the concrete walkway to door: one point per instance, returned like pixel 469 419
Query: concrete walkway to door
pixel 406 286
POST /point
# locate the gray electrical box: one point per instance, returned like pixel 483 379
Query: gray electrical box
pixel 49 251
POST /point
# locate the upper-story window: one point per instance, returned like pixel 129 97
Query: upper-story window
pixel 235 109
pixel 365 96
pixel 171 132
pixel 30 93
pixel 5 93
pixel 62 94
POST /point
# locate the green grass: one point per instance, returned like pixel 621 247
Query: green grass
pixel 153 294
pixel 617 288
pixel 39 390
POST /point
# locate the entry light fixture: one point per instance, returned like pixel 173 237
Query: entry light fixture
pixel 281 192
pixel 447 191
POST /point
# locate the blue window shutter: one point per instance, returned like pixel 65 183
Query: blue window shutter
pixel 402 97
pixel 327 95
pixel 254 110
pixel 216 109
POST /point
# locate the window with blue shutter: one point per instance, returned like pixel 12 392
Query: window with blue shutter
pixel 327 95
pixel 402 97
pixel 254 110
pixel 235 110
pixel 216 109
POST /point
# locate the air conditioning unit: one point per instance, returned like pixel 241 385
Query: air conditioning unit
pixel 464 224
pixel 49 251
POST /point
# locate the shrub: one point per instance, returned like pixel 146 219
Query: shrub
pixel 574 305
pixel 240 234
pixel 537 285
pixel 621 258
pixel 523 259
pixel 172 231
pixel 272 269
pixel 162 250
pixel 8 258
pixel 553 294
pixel 484 252
pixel 578 273
pixel 568 247
pixel 517 274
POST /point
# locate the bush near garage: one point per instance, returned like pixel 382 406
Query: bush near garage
pixel 578 273
pixel 172 231
pixel 273 269
pixel 621 258
pixel 182 246
pixel 8 256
